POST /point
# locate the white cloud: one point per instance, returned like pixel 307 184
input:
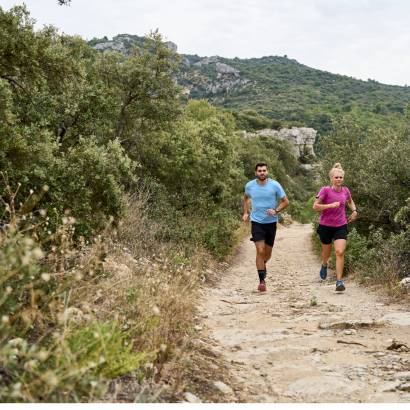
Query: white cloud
pixel 360 38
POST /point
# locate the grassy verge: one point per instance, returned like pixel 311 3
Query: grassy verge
pixel 97 321
pixel 372 262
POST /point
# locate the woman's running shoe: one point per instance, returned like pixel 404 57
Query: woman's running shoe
pixel 340 286
pixel 323 272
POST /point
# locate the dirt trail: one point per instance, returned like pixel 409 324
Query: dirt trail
pixel 294 343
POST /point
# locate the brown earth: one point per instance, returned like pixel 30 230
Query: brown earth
pixel 301 341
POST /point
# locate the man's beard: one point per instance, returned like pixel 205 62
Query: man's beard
pixel 262 177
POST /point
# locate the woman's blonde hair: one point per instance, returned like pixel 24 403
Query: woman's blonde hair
pixel 336 167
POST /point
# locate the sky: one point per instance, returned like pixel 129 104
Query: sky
pixel 359 38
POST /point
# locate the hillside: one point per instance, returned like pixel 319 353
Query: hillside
pixel 277 87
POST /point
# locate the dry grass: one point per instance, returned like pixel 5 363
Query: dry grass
pixel 113 320
pixel 151 289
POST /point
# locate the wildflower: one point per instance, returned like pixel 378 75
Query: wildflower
pixel 28 242
pixel 45 276
pixel 43 212
pixel 31 192
pixel 18 341
pixel 50 378
pixel 30 365
pixel 42 355
pixel 163 348
pixel 156 310
pixel 37 253
pixel 5 319
pixel 9 289
pixel 25 260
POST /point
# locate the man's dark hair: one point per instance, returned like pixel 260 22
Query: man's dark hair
pixel 261 164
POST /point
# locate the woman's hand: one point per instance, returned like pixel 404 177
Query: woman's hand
pixel 245 217
pixel 334 205
pixel 353 216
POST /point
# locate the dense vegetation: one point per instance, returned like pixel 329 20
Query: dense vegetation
pixel 281 89
pixel 116 197
pixel 287 90
pixel 378 174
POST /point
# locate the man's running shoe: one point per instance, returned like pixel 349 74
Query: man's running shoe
pixel 340 286
pixel 262 286
pixel 323 272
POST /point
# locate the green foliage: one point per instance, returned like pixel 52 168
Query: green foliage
pixel 80 132
pixel 378 176
pixel 219 233
pixel 286 90
pixel 377 169
pixel 251 120
pixel 107 347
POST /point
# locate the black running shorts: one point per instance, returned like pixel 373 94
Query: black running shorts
pixel 264 232
pixel 327 234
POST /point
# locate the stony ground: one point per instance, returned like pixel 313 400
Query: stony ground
pixel 301 341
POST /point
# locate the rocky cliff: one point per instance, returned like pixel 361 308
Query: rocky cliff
pixel 302 139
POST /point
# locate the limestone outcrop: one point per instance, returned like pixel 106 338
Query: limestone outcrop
pixel 302 138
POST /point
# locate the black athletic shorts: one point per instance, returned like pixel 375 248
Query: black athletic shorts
pixel 327 234
pixel 264 232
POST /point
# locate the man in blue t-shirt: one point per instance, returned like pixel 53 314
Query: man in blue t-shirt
pixel 268 198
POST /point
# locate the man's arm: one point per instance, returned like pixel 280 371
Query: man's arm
pixel 284 202
pixel 246 205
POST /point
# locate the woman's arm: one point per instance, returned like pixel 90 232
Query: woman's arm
pixel 352 206
pixel 318 206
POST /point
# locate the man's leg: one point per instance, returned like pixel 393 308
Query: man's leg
pixel 260 264
pixel 268 253
pixel 260 255
pixel 270 234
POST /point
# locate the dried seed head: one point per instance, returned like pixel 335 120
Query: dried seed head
pixel 45 276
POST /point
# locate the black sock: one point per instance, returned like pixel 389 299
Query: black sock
pixel 262 274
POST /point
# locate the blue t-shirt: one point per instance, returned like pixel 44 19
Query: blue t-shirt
pixel 264 197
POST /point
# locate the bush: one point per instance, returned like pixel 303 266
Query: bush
pixel 378 176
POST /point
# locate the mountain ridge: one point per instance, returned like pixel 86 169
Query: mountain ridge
pixel 275 86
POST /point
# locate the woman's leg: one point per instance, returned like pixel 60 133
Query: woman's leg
pixel 340 247
pixel 326 251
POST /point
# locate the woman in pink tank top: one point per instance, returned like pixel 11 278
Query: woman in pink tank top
pixel 331 203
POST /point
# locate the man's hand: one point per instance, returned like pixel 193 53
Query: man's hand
pixel 271 212
pixel 245 217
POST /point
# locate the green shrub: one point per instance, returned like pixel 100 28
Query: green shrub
pixel 108 349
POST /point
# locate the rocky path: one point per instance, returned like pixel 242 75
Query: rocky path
pixel 301 341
